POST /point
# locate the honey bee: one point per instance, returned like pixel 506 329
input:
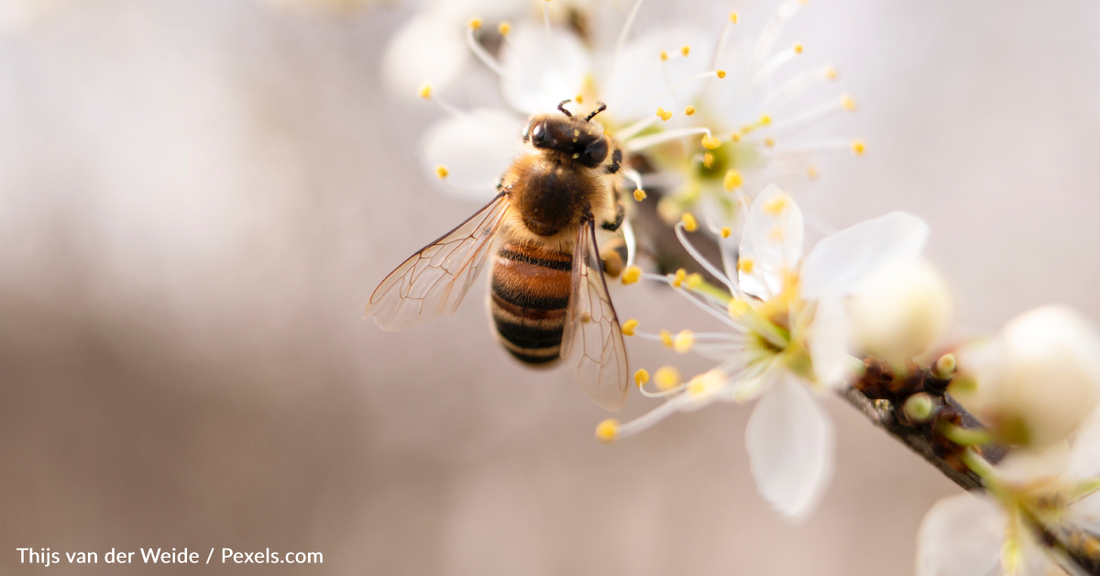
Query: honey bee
pixel 548 296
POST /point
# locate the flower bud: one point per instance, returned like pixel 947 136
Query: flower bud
pixel 900 310
pixel 1040 378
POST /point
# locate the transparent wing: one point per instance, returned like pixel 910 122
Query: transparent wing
pixel 434 281
pixel 592 344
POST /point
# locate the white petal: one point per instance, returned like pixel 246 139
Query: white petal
pixel 1034 560
pixel 1085 454
pixel 771 241
pixel 429 49
pixel 790 444
pixel 1025 466
pixel 634 89
pixel 960 536
pixel 1085 513
pixel 841 260
pixel 541 72
pixel 475 148
pixel 488 10
pixel 828 341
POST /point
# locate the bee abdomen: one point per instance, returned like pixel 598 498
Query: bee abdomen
pixel 529 295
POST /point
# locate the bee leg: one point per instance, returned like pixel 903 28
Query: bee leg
pixel 616 161
pixel 620 212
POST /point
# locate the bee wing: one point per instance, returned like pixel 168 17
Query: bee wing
pixel 434 281
pixel 592 343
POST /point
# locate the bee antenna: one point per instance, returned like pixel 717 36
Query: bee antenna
pixel 561 107
pixel 592 115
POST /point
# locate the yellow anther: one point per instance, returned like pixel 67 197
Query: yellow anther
pixel 710 142
pixel 426 91
pixel 608 430
pixel 441 171
pixel 708 160
pixel 732 180
pixel 666 338
pixel 769 142
pixel 683 341
pixel 735 137
pixel 689 110
pixel 678 278
pixel 858 147
pixel 639 195
pixel 812 172
pixel 664 55
pixel 629 326
pixel 504 28
pixel 631 275
pixel 667 377
pixel 641 377
pixel 734 17
pixel 689 222
pixel 739 308
pixel 847 102
pixel 475 23
pixel 797 48
pixel 720 73
pixel 663 114
pixel 726 231
pixel 693 280
pixel 746 265
pixel 775 205
pixel 831 73
pixel 579 98
pixel 765 120
pixel 685 50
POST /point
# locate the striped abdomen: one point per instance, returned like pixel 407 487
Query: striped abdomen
pixel 529 294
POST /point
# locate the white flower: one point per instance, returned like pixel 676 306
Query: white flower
pixel 901 310
pixel 1031 497
pixel 789 340
pixel 1038 379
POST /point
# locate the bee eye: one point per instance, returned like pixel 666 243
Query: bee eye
pixel 595 153
pixel 538 135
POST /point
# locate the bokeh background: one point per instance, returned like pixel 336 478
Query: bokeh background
pixel 197 197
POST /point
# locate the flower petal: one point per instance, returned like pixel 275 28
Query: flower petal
pixel 488 10
pixel 841 260
pixel 790 443
pixel 429 49
pixel 771 244
pixel 828 341
pixel 634 88
pixel 540 72
pixel 960 536
pixel 1084 459
pixel 475 148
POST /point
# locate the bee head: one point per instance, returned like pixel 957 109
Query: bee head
pixel 581 140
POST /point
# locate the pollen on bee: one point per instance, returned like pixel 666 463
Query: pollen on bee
pixel 685 50
pixel 797 48
pixel 847 102
pixel 475 23
pixel 732 180
pixel 639 195
pixel 690 224
pixel 720 73
pixel 608 430
pixel 663 114
pixel 666 338
pixel 710 142
pixel 629 326
pixel 858 147
pixel 586 318
pixel 504 28
pixel 641 376
pixel 441 171
pixel 689 110
pixel 683 342
pixel 678 278
pixel 734 17
pixel 631 275
pixel 708 160
pixel 726 231
pixel 426 91
pixel 667 377
pixel 745 265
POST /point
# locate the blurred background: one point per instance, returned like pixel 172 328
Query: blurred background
pixel 197 197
